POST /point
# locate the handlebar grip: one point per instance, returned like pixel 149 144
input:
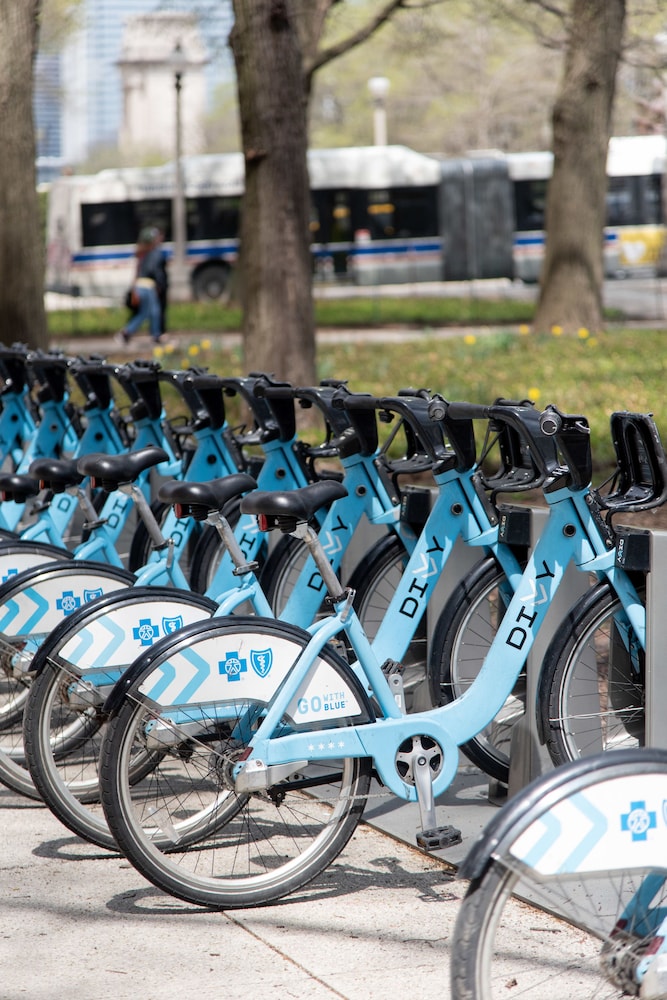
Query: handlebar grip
pixel 356 401
pixel 265 391
pixel 467 411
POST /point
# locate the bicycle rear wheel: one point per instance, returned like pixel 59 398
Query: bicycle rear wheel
pixel 185 827
pixel 527 929
pixel 75 667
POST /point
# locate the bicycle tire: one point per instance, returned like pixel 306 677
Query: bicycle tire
pixel 281 571
pixel 592 684
pixel 283 837
pixel 14 691
pixel 462 638
pixel 61 734
pixel 511 913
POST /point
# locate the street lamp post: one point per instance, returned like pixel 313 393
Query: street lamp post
pixel 178 278
pixel 378 87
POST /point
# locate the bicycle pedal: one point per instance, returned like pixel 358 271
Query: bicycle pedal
pixel 392 667
pixel 438 838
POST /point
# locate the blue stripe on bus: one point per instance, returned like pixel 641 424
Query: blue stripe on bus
pixel 538 239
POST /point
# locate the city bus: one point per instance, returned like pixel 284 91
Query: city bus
pixel 379 215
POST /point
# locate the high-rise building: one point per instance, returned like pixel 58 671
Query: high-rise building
pixel 89 95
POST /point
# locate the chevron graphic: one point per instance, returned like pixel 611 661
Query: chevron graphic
pixel 82 643
pixel 116 637
pixel 202 671
pixel 552 831
pixel 533 595
pixel 597 831
pixel 11 611
pixel 163 675
pixel 427 568
pixel 41 608
pixel 333 545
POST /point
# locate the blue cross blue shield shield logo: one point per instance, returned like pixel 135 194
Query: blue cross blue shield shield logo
pixel 261 660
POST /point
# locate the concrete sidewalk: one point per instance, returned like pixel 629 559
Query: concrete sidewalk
pixel 76 921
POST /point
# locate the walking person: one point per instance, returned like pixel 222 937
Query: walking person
pixel 147 289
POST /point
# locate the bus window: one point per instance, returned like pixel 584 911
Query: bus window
pixel 651 187
pixel 402 213
pixel 212 218
pixel 119 223
pixel 415 211
pixel 331 217
pixel 623 202
pixel 110 224
pixel 380 215
pixel 530 199
pixel 153 212
pixel 331 222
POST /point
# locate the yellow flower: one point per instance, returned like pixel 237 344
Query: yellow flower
pixel 534 394
pixel 556 330
pixel 583 333
pixel 470 338
pixel 524 329
pixel 169 349
pixel 158 352
pixel 205 345
pixel 193 350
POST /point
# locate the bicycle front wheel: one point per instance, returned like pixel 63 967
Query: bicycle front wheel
pixel 463 636
pixel 568 887
pixel 184 826
pixel 592 687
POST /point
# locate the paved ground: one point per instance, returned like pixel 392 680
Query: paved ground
pixel 78 922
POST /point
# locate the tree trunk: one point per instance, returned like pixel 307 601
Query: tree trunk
pixel 275 261
pixel 572 275
pixel 22 316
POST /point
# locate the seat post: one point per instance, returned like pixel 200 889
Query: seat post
pixel 311 540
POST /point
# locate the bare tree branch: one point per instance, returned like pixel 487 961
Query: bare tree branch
pixel 534 19
pixel 326 55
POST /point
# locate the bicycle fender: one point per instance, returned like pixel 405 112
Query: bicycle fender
pixel 16 557
pixel 553 814
pixel 202 664
pixel 113 630
pixel 37 600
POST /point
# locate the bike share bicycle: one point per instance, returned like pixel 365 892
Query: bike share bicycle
pixel 65 680
pixel 263 759
pixel 591 683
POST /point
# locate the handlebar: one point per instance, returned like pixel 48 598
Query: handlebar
pixel 49 369
pixel 425 435
pixel 544 434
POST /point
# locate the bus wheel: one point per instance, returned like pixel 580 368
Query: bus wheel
pixel 210 282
